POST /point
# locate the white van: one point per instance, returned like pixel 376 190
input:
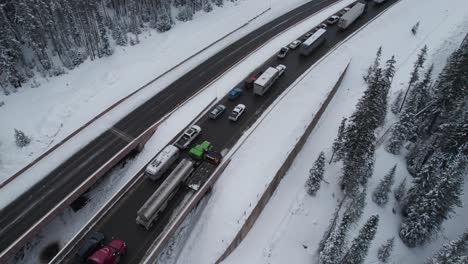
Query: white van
pixel 162 162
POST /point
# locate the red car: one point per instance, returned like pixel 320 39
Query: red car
pixel 250 82
pixel 109 254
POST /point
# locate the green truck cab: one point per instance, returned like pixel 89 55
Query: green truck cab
pixel 198 152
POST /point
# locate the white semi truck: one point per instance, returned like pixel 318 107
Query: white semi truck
pixel 266 80
pixel 349 17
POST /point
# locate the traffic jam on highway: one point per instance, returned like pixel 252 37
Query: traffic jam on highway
pixel 186 163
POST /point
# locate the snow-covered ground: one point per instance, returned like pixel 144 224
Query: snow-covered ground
pixel 78 96
pixel 292 224
pixel 62 229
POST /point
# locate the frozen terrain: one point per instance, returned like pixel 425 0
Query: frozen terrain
pixel 289 229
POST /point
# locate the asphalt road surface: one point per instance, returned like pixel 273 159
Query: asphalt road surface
pixel 120 222
pixel 23 213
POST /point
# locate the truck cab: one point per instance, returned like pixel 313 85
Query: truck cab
pixel 198 152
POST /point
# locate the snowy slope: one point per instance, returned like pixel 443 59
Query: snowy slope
pixel 293 223
pixel 76 97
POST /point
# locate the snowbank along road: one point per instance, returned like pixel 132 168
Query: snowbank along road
pixel 119 222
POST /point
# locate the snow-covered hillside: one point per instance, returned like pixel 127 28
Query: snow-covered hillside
pixel 292 224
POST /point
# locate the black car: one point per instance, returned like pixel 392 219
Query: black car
pixel 282 52
pixel 90 245
pixel 217 111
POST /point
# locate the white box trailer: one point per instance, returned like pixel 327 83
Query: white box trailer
pixel 349 17
pixel 313 42
pixel 265 81
pixel 162 162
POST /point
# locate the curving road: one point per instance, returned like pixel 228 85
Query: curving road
pixel 17 218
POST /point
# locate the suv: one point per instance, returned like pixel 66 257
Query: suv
pixel 283 52
pixel 109 254
pixel 234 93
pixel 90 245
pixel 217 111
pixel 237 112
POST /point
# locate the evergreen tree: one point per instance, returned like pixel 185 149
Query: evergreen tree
pixel 218 2
pixel 164 22
pixel 316 175
pixel 355 209
pixel 207 6
pixel 452 253
pixel 385 250
pixel 414 76
pixel 373 68
pixel 399 192
pixel 397 102
pixel 331 227
pixel 21 139
pixel 380 194
pixel 360 245
pixel 334 246
pixel 337 144
pixel 414 29
pixel 385 83
pixel 359 139
pixel 407 126
pixel 427 211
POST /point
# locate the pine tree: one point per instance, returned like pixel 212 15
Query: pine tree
pixel 414 29
pixel 407 126
pixel 399 192
pixel 427 211
pixel 316 175
pixel 207 6
pixel 397 102
pixel 163 22
pixel 331 227
pixel 21 139
pixel 373 68
pixel 414 77
pixel 218 2
pixel 355 209
pixel 452 253
pixel 360 245
pixel 380 194
pixel 334 246
pixel 385 250
pixel 337 144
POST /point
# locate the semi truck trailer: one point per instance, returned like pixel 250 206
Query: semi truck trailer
pixel 349 17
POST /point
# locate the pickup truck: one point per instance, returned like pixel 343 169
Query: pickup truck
pixel 188 136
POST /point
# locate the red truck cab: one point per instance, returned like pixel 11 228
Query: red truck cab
pixel 109 254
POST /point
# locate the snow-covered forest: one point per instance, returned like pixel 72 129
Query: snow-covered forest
pixel 49 36
pixel 431 132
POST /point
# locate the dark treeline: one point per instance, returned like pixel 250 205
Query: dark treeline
pixel 47 36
